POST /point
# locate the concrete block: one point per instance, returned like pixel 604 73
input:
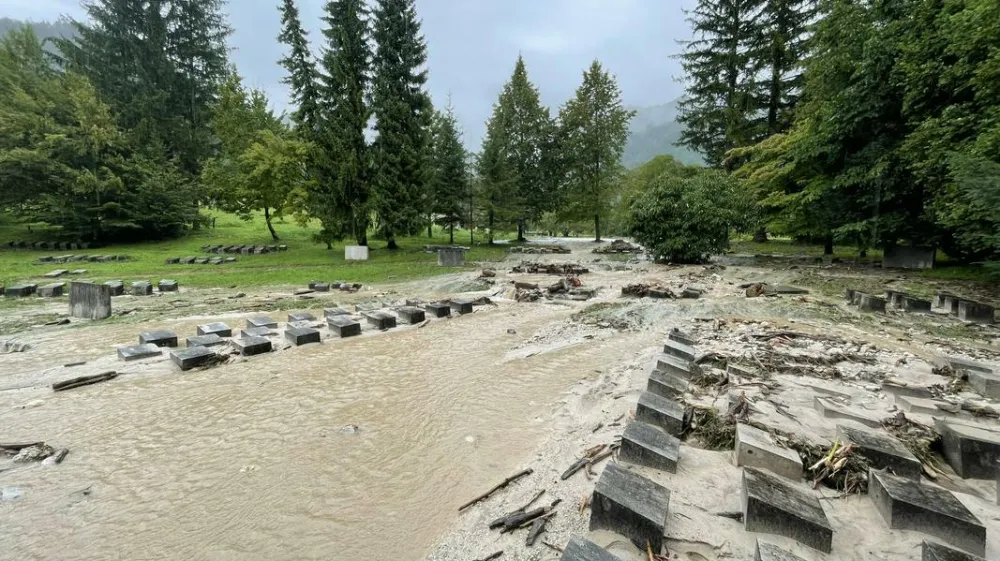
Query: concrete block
pixel 940 298
pixel 331 312
pixel 765 551
pixel 262 321
pixel 210 340
pixel 117 287
pixel 673 365
pixel 461 306
pixel 645 445
pixel 976 312
pixel 915 305
pixel 735 370
pixel 356 253
pixel 344 326
pixel 160 338
pixel 831 410
pixel 20 290
pixel 932 551
pixel 665 384
pixel 959 363
pixel 451 257
pixel 256 332
pixel 849 294
pixel 381 320
pixel 871 303
pixel 679 350
pixel 951 304
pixel 56 274
pixel 141 288
pixel 217 328
pixel 302 316
pixel 631 505
pixel 582 549
pixel 924 406
pixel 882 450
pixel 988 385
pixel 301 335
pixel 136 352
pixel 53 290
pixel 771 505
pixel 78 272
pixel 201 261
pixel 438 309
pixel 322 287
pixel 682 337
pixel 249 346
pixel 757 449
pixel 971 451
pixel 411 314
pixel 193 357
pixel 167 285
pixel 894 298
pixel 661 412
pixel 907 505
pixel 908 257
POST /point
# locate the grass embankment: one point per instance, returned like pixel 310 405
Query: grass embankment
pixel 304 261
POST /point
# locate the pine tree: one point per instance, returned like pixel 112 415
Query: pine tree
pixel 298 63
pixel 595 129
pixel 402 115
pixel 450 180
pixel 722 64
pixel 785 31
pixel 496 185
pixel 344 192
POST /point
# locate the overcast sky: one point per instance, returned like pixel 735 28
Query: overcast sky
pixel 473 44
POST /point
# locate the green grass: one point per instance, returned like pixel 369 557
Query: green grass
pixel 303 262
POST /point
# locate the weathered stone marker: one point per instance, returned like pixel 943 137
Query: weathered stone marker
pixel 582 549
pixel 461 305
pixel 976 312
pixel 988 385
pixel 302 316
pixel 343 326
pixel 167 285
pixel 53 290
pixel 769 552
pixel 262 321
pixel 665 384
pixel 661 412
pixel 117 287
pixel 381 320
pixel 438 309
pixel 56 274
pixel 673 365
pixel 451 257
pixel 136 352
pixel 871 303
pixel 301 335
pixel 331 312
pixel 771 505
pixel 755 448
pixel 142 288
pixel 831 410
pixel 959 363
pixel 882 450
pixel 20 290
pixel 256 332
pixel 193 357
pixel 160 338
pixel 356 253
pixel 249 346
pixel 679 350
pixel 923 406
pixel 217 328
pixel 646 445
pixel 971 451
pixel 89 301
pixel 210 340
pixel 907 505
pixel 411 314
pixel 631 505
pixel 933 551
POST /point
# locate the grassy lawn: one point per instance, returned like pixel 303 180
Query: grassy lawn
pixel 303 262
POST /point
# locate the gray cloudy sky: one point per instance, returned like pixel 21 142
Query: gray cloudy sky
pixel 473 44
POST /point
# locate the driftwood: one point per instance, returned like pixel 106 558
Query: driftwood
pixel 492 556
pixel 537 527
pixel 83 381
pixel 526 519
pixel 59 456
pixel 590 457
pixel 500 521
pixel 496 488
pixel 553 547
pixel 15 447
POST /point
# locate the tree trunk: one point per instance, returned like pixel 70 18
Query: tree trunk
pixel 451 234
pixel 828 244
pixel 760 236
pixel 267 219
pixel 520 230
pixel 491 227
pixel 597 227
pixel 329 246
pixel 430 226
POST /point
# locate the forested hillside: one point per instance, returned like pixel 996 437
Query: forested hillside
pixel 654 131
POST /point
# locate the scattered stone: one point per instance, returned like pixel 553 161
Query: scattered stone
pixel 53 290
pixel 381 320
pixel 210 340
pixel 56 274
pixel 193 357
pixel 256 332
pixel 302 335
pixel 666 384
pixel 249 346
pixel 661 412
pixel 550 269
pixel 644 290
pixel 438 309
pixel 971 451
pixel 755 448
pixel 869 303
pixel 619 246
pixel 831 410
pixel 883 451
pixel 461 306
pixel 331 312
pixel 167 285
pixel 218 328
pixel 160 338
pixel 907 505
pixel 56 458
pixel 488 273
pixel 679 350
pixel 142 288
pixel 137 352
pixel 411 314
pixel 645 445
pixel 771 505
pixel 932 551
pixel 631 505
pixel 302 316
pixel 975 312
pixel 117 287
pixel 769 552
pixel 262 321
pixel 343 326
pixel 582 549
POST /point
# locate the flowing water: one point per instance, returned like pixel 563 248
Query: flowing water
pixel 248 460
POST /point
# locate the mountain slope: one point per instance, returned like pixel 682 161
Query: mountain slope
pixel 654 131
pixel 44 29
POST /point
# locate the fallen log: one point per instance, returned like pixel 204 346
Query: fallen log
pixel 500 521
pixel 526 519
pixel 83 381
pixel 496 488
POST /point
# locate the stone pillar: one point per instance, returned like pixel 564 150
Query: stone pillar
pixel 451 257
pixel 89 300
pixel 356 253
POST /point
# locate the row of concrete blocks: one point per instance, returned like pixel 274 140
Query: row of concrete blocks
pixel 50 245
pixel 323 286
pixel 52 290
pixel 88 258
pixel 984 378
pixel 137 288
pixel 199 260
pixel 964 308
pixel 245 249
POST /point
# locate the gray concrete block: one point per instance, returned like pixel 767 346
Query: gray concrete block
pixel 137 352
pixel 582 549
pixel 380 320
pixel 871 303
pixel 303 316
pixel 915 305
pixel 679 350
pixel 167 285
pixel 645 445
pixel 894 298
pixel 951 304
pixel 631 505
pixel 249 346
pixel 210 340
pixel 262 321
pixel 832 410
pixel 661 412
pixel 940 298
pixel 117 287
pixel 461 306
pixel 933 551
pixel 971 451
pixel 771 505
pixel 56 274
pixel 217 328
pixel 755 448
pixel 924 406
pixel 682 337
pixel 673 365
pixel 882 450
pixel 451 257
pixel 256 332
pixel 193 357
pixel 907 505
pixel 765 551
pixel 988 385
pixel 344 326
pixel 301 335
pixel 959 363
pixel 908 390
pixel 89 301
pixel 665 384
pixel 331 312
pixel 411 314
pixel 438 309
pixel 20 290
pixel 321 287
pixel 141 288
pixel 159 337
pixel 976 312
pixel 53 290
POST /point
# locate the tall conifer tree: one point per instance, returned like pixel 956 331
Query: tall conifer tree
pixel 301 76
pixel 450 179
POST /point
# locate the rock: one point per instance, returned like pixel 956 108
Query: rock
pixel 882 451
pixel 344 326
pixel 660 412
pixel 160 338
pixel 907 505
pixel 631 505
pixel 755 448
pixel 210 340
pixel 302 335
pixel 582 549
pixel 971 451
pixel 350 429
pixel 931 551
pixel 525 285
pixel 137 352
pixel 217 328
pixel 461 305
pixel 192 357
pixel 771 505
pixel 645 445
pixel 262 321
pixel 381 320
pixel 252 345
pixel 488 273
pixel 679 350
pixel 35 453
pixel 691 293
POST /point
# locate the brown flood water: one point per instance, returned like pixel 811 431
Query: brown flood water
pixel 247 461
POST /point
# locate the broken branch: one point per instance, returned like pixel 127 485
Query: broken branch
pixel 496 488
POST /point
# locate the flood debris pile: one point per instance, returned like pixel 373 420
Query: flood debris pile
pixel 574 269
pixel 542 249
pixel 757 289
pixel 567 288
pixel 639 290
pixel 28 452
pixel 619 246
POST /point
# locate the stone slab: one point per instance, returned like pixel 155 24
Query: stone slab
pixel 451 257
pixel 882 450
pixel 217 328
pixel 665 384
pixel 302 335
pixel 682 337
pixel 631 505
pixel 660 412
pixel 141 288
pixel 53 290
pixel 438 309
pixel 411 314
pixel 249 346
pixel 256 332
pixel 959 363
pixel 381 320
pixel 907 505
pixel 908 390
pixel 765 551
pixel 356 253
pixel 988 385
pixel 832 410
pixel 582 549
pixel 869 303
pixel 915 305
pixel 976 312
pixel 302 316
pixel 262 321
pixel 331 312
pixel 461 306
pixel 344 326
pixel 159 337
pixel 210 340
pixel 772 505
pixel 117 287
pixel 923 406
pixel 933 551
pixel 673 365
pixel 645 445
pixel 971 451
pixel 167 285
pixel 137 352
pixel 56 274
pixel 20 290
pixel 679 350
pixel 755 448
pixel 193 357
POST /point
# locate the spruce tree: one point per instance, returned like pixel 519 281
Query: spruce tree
pixel 301 70
pixel 450 179
pixel 784 27
pixel 496 184
pixel 594 130
pixel 401 107
pixel 344 192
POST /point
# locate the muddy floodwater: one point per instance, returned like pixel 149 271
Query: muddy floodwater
pixel 249 460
